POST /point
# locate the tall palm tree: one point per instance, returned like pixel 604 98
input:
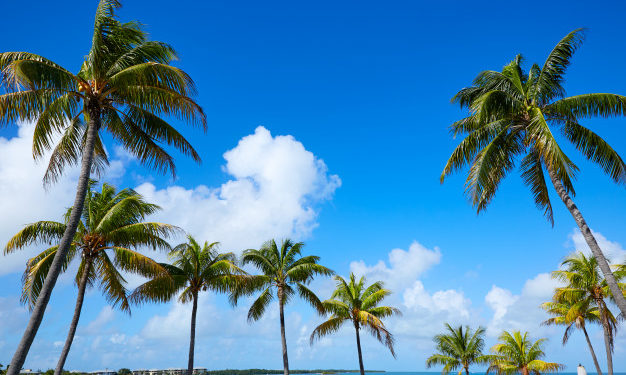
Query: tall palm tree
pixel 574 315
pixel 458 349
pixel 111 226
pixel 585 284
pixel 516 353
pixel 513 114
pixel 355 303
pixel 284 271
pixel 194 268
pixel 125 86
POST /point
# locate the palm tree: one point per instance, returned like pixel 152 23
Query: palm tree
pixel 125 86
pixel 458 349
pixel 574 315
pixel 194 268
pixel 586 285
pixel 111 226
pixel 284 271
pixel 355 303
pixel 514 114
pixel 516 353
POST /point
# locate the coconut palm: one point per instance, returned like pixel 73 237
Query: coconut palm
pixel 458 349
pixel 585 284
pixel 574 315
pixel 125 86
pixel 355 303
pixel 284 272
pixel 112 225
pixel 517 354
pixel 194 268
pixel 514 114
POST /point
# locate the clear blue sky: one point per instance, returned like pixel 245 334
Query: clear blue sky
pixel 364 86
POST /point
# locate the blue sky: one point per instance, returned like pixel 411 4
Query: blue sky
pixel 365 88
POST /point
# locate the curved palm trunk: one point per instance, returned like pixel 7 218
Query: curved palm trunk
pixel 358 346
pixel 283 337
pixel 192 337
pixel 79 305
pixel 593 353
pixel 607 340
pixel 591 241
pixel 467 371
pixel 55 268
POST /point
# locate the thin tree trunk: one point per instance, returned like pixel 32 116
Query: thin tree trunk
pixel 593 353
pixel 591 241
pixel 82 285
pixel 467 371
pixel 55 268
pixel 282 336
pixel 607 340
pixel 358 347
pixel 192 336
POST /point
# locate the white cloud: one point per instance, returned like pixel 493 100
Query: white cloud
pixel 611 249
pixel 106 315
pixel 523 311
pixel 276 186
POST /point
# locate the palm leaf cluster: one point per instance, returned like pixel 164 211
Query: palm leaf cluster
pixel 111 229
pixel 353 302
pixel 516 353
pixel 458 348
pixel 518 115
pixel 125 86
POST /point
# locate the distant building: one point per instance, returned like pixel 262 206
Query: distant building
pixel 103 372
pixel 169 371
pixel 27 371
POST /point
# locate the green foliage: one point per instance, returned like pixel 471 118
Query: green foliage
pixel 124 371
pixel 110 231
pixel 125 86
pixel 194 268
pixel 516 353
pixel 458 349
pixel 285 272
pixel 515 115
pixel 354 302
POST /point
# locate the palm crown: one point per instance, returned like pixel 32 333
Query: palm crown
pixel 357 303
pixel 112 224
pixel 571 314
pixel 124 86
pixel 284 272
pixel 458 349
pixel 194 268
pixel 515 114
pixel 516 353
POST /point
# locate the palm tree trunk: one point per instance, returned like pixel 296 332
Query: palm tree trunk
pixel 192 336
pixel 593 353
pixel 591 241
pixel 70 230
pixel 607 340
pixel 467 371
pixel 358 347
pixel 283 338
pixel 82 285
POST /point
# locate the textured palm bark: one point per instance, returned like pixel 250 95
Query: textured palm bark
pixel 82 286
pixel 192 336
pixel 55 268
pixel 593 353
pixel 283 337
pixel 358 347
pixel 607 339
pixel 591 241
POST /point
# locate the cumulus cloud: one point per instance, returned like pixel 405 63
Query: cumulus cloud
pixel 275 187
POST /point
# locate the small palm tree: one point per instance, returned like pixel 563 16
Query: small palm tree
pixel 284 272
pixel 111 226
pixel 458 349
pixel 194 268
pixel 514 115
pixel 574 315
pixel 516 353
pixel 585 284
pixel 126 87
pixel 353 302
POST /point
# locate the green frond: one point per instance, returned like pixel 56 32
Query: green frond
pixel 41 232
pixel 330 326
pixel 260 305
pixel 310 297
pixel 532 174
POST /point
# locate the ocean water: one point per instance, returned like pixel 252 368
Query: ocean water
pixel 454 373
